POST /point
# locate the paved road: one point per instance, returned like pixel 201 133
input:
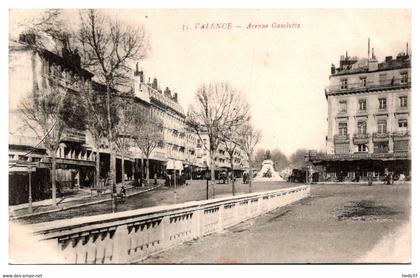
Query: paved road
pixel 195 190
pixel 337 224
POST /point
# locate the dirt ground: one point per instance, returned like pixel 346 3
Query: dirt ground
pixel 337 224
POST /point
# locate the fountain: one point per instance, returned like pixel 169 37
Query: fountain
pixel 267 172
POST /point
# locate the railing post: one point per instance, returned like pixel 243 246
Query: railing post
pixel 220 216
pixel 120 251
pixel 165 233
pixel 259 205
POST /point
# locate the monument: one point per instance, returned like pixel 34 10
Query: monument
pixel 267 172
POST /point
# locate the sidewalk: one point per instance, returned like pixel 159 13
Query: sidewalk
pixel 83 197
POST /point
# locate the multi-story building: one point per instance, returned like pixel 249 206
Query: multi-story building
pixel 368 118
pixel 33 69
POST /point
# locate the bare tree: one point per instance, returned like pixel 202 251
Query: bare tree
pixel 107 49
pixel 125 130
pixel 249 139
pixel 148 134
pixel 44 112
pixel 231 144
pixel 217 108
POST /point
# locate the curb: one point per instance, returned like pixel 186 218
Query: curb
pixel 79 205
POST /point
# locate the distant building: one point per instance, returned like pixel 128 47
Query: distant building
pixel 368 118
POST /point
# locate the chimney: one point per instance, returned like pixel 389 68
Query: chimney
pixel 373 65
pixel 155 84
pixel 368 49
pixel 141 76
pixel 167 92
pixel 176 97
pixel 332 69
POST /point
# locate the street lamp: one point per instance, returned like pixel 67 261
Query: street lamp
pixel 30 210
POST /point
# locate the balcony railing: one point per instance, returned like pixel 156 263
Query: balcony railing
pixel 401 135
pixel 393 83
pixel 341 138
pixel 361 138
pixel 380 136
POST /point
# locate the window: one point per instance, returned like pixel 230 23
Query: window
pixel 403 125
pixel 362 148
pixel 382 126
pixel 344 84
pixel 361 127
pixel 404 77
pixel 362 104
pixel 36 159
pixel 382 103
pixel 343 106
pixel 342 128
pixel 11 156
pixel 363 81
pixel 23 157
pixel 403 102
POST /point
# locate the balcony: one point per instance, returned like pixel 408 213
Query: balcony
pixel 388 84
pixel 380 136
pixel 361 138
pixel 401 135
pixel 341 139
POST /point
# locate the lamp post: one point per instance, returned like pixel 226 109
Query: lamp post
pixel 30 210
pixel 208 176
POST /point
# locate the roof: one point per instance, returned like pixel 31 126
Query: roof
pixel 400 62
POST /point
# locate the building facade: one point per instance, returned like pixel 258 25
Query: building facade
pixel 32 69
pixel 369 119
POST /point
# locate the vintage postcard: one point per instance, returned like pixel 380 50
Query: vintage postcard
pixel 210 136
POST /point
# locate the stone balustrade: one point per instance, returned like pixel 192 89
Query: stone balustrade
pixel 132 236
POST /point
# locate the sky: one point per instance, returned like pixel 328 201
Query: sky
pixel 281 72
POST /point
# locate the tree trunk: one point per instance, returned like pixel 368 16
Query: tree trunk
pixel 97 169
pixel 112 166
pixel 110 138
pixel 122 170
pixel 232 173
pixel 251 176
pixel 212 174
pixel 147 170
pixel 53 178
